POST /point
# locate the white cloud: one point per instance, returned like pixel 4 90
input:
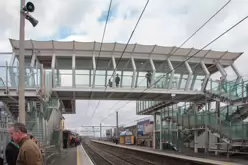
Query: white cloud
pixel 165 22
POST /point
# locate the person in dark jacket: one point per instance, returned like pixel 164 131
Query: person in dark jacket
pixel 12 150
pixel 29 153
pixel 117 81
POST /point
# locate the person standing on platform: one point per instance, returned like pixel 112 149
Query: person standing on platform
pixel 12 150
pixel 29 153
pixel 148 79
pixel 117 81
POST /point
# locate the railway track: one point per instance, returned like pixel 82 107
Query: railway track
pixel 95 158
pixel 128 158
pixel 103 156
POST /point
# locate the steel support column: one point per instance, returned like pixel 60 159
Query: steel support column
pixel 117 127
pixel 94 70
pixel 11 70
pixel 73 71
pixel 114 70
pixel 172 73
pixel 153 72
pixel 236 72
pixel 134 72
pixel 161 130
pixel 195 142
pixel 154 132
pixel 222 71
pixel 22 117
pixel 193 82
pixel 207 75
pixel 189 75
pixel 37 75
pixel 53 70
pixel 180 81
pixel 100 131
pixel 32 64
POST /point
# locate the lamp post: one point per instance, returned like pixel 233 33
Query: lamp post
pixel 24 14
pixel 22 66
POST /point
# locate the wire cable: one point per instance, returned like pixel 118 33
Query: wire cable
pixel 103 34
pixel 193 55
pixel 174 51
pixel 104 31
pixel 202 48
pixel 125 48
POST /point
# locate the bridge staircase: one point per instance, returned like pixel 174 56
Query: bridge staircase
pixel 229 92
pixel 183 125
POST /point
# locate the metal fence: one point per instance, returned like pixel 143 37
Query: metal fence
pixel 4 137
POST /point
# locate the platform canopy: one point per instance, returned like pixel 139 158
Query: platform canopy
pixel 89 48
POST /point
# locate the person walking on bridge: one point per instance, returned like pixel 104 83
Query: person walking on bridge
pixel 148 79
pixel 29 153
pixel 117 81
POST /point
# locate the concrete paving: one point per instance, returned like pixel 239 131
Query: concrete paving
pixel 72 156
pixel 67 157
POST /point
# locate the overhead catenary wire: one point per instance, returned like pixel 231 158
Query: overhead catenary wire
pixel 202 48
pixel 103 35
pixel 130 37
pixel 104 31
pixel 183 43
pixel 193 55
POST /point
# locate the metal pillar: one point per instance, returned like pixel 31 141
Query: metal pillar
pixel 100 131
pixel 73 71
pixel 207 75
pixel 207 140
pixel 189 75
pixel 218 121
pixel 22 67
pixel 117 129
pixel 195 132
pixel 160 139
pixel 114 71
pixel 154 132
pixel 222 71
pixel 172 73
pixel 153 73
pixel 94 71
pixel 195 142
pixel 134 72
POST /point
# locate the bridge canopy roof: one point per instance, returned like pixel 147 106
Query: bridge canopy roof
pixel 135 50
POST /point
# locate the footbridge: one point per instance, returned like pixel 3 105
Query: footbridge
pixel 82 70
pixel 58 73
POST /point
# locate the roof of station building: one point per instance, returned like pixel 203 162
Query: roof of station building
pixel 118 48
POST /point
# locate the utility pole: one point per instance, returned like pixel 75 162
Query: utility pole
pixel 117 129
pixel 22 66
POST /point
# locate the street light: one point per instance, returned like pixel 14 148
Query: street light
pixel 24 14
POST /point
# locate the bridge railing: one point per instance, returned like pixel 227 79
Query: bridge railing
pixel 9 77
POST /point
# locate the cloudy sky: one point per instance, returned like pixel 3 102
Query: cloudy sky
pixel 165 22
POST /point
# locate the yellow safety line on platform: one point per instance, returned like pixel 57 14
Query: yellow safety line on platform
pixel 78 157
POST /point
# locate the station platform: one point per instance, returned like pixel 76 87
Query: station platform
pixel 73 156
pixel 196 157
